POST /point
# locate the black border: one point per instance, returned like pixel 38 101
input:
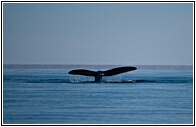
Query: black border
pixel 98 124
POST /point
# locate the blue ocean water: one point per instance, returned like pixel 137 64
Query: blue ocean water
pixel 52 96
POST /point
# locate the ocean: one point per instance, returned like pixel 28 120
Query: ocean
pixel 47 94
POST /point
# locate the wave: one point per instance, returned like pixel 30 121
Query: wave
pixel 123 81
pixel 104 81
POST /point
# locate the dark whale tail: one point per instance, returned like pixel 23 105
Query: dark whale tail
pixel 98 75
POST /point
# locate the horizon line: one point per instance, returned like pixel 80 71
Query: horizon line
pixel 110 64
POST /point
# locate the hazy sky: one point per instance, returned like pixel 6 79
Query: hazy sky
pixel 98 33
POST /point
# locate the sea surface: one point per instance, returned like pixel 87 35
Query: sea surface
pixel 43 94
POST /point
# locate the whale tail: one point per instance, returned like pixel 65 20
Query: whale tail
pixel 98 75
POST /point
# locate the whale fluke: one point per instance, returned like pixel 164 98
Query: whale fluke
pixel 118 70
pixel 99 74
pixel 82 72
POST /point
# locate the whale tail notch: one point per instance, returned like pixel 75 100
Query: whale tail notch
pixel 98 75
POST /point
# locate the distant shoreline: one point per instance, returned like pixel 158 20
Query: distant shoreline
pixel 71 66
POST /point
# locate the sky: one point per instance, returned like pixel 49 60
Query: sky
pixel 98 33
